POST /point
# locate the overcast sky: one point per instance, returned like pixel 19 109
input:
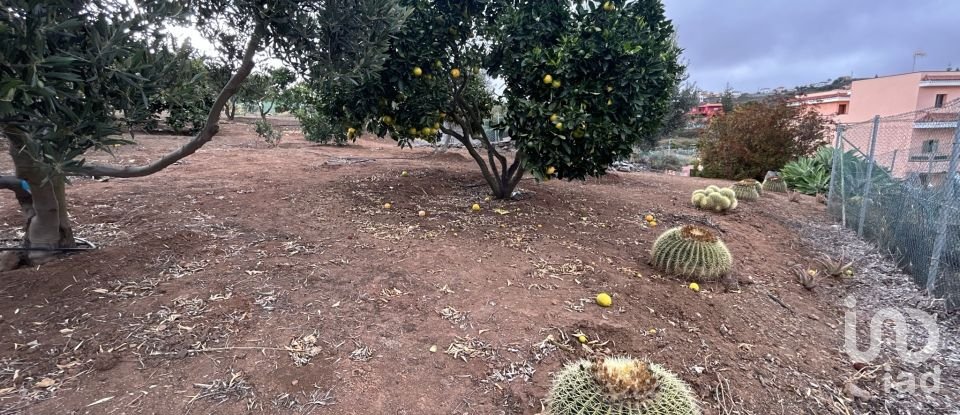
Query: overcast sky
pixel 755 44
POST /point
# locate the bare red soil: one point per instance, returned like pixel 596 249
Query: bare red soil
pixel 255 279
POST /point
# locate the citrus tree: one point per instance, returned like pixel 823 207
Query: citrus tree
pixel 70 71
pixel 579 83
pixel 265 88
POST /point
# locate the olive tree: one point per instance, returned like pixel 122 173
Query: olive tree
pixel 71 69
pixel 582 82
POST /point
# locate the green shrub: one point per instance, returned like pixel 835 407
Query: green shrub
pixel 266 131
pixel 318 127
pixel 759 136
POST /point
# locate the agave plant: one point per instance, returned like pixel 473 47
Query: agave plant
pixel 806 175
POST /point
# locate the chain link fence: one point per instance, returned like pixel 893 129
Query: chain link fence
pixel 895 181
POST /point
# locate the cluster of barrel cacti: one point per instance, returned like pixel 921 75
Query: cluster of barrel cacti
pixel 775 184
pixel 619 386
pixel 715 199
pixel 748 189
pixel 691 251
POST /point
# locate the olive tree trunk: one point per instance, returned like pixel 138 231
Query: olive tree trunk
pixel 47 223
pixel 47 227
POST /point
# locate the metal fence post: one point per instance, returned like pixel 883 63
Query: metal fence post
pixel 833 166
pixel 948 198
pixel 865 197
pixel 843 191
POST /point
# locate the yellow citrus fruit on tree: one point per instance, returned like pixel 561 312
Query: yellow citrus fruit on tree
pixel 455 73
pixel 417 71
pixel 695 287
pixel 609 102
pixel 559 125
pixel 648 218
pixel 554 118
pixel 548 79
pixel 412 131
pixel 436 126
pixel 426 130
pixel 604 300
pixel 555 84
pixel 475 207
pixel 387 206
pixel 387 119
pixel 608 6
pixel 551 170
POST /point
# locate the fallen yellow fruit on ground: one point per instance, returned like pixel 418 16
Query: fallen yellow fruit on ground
pixel 695 287
pixel 648 218
pixel 582 338
pixel 387 206
pixel 604 300
pixel 404 174
pixel 475 207
pixel 653 223
pixel 422 213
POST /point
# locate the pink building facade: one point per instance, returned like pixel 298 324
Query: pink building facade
pixel 919 119
pixel 832 104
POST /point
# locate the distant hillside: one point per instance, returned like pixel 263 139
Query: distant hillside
pixel 829 84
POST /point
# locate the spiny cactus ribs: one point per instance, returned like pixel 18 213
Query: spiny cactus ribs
pixel 756 184
pixel 714 198
pixel 619 386
pixel 775 184
pixel 691 251
pixel 746 190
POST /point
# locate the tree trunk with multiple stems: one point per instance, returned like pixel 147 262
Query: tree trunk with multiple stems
pixel 501 174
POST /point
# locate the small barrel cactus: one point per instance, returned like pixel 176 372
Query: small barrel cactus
pixel 745 190
pixel 619 386
pixel 691 251
pixel 775 184
pixel 714 198
pixel 756 184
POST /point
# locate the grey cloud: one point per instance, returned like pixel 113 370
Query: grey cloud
pixel 755 44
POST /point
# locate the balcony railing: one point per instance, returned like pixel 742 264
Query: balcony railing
pixel 929 157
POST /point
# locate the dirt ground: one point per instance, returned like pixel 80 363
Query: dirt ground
pixel 273 280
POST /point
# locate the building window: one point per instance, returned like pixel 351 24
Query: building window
pixel 842 109
pixel 941 98
pixel 930 146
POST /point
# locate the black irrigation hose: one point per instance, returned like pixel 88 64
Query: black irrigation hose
pixel 89 247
